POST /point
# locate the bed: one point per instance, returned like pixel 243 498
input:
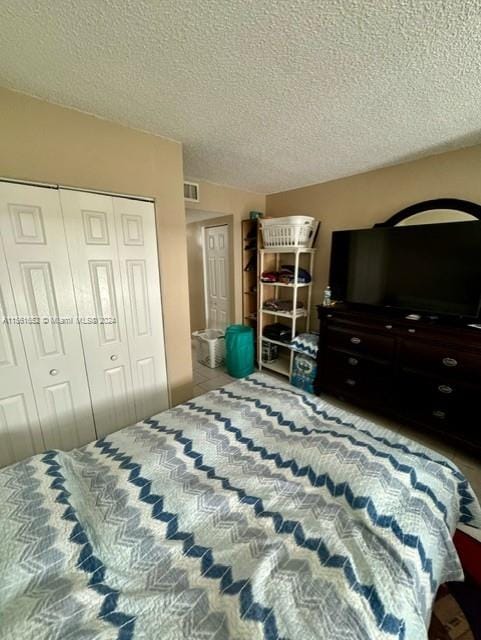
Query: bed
pixel 254 511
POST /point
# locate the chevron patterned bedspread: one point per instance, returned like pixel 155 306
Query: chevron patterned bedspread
pixel 254 511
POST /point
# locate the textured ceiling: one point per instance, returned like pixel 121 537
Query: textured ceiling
pixel 265 95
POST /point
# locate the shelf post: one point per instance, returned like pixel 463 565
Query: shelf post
pixel 260 317
pixel 294 309
pixel 309 291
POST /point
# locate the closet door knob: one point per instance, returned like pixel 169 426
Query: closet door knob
pixel 114 357
pixel 53 372
pixel 353 361
pixel 355 340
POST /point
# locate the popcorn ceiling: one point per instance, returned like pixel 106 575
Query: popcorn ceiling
pixel 265 95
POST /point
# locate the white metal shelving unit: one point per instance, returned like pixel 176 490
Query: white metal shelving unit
pixel 283 364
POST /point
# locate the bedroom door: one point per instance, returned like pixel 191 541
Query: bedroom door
pixel 92 242
pixel 38 264
pixel 216 258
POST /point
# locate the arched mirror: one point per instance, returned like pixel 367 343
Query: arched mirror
pixel 435 212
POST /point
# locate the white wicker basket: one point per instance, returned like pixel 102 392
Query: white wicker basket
pixel 290 231
pixel 210 347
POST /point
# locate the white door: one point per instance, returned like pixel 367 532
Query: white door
pixel 216 256
pixel 92 241
pixel 139 270
pixel 20 434
pixel 38 264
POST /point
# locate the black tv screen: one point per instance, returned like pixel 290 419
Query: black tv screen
pixel 433 268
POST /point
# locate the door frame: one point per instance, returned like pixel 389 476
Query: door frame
pixel 223 222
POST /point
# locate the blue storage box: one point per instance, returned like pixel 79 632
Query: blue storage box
pixel 304 372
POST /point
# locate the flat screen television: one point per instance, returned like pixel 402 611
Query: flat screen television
pixel 431 268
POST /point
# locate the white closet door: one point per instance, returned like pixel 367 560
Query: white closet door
pixel 20 434
pixel 139 269
pixel 37 258
pixel 91 235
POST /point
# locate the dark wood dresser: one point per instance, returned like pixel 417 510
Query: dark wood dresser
pixel 426 373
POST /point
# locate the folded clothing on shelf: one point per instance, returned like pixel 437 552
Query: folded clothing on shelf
pixel 286 306
pixel 277 331
pixel 286 275
pixel 269 276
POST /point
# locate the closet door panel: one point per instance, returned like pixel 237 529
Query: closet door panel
pixel 92 241
pixel 38 265
pixel 139 268
pixel 20 433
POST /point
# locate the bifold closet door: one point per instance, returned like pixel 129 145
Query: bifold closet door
pixel 38 264
pixel 92 242
pixel 139 270
pixel 113 249
pixel 20 433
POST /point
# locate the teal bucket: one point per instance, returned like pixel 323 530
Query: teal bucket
pixel 239 347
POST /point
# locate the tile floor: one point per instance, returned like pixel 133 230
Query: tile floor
pixel 206 379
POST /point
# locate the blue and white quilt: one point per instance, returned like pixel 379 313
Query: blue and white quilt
pixel 254 511
pixel 307 344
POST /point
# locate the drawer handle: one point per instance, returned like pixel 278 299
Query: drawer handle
pixel 353 361
pixel 356 340
pixel 53 372
pixel 439 414
pixel 388 326
pixel 450 362
pixel 114 357
pixel 351 382
pixel 444 388
pixel 411 330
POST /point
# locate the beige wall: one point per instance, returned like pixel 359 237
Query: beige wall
pixel 196 277
pixel 47 143
pixel 237 203
pixel 364 199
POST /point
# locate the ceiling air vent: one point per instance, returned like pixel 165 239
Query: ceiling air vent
pixel 191 191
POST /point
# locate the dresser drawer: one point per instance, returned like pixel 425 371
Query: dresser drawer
pixel 441 416
pixel 358 365
pixel 362 343
pixel 443 405
pixel 355 384
pixel 441 360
